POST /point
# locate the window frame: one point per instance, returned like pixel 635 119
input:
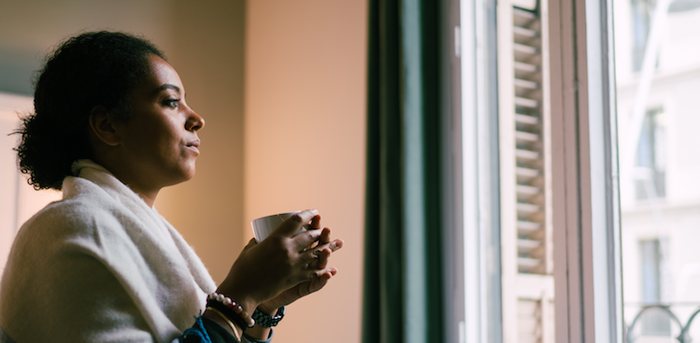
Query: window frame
pixel 479 164
pixel 588 299
pixel 586 210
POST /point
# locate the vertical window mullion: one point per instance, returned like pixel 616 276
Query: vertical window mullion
pixel 586 208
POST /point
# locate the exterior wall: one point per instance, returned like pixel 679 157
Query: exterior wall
pixel 675 218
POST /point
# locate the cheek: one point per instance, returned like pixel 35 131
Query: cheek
pixel 159 136
pixel 166 138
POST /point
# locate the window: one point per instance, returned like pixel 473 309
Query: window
pixel 656 321
pixel 596 142
pixel 660 198
pixel 18 201
pixel 541 239
pixel 641 20
pixel 650 173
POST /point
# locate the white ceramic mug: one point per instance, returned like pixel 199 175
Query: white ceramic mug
pixel 263 227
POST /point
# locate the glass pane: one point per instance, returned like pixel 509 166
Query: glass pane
pixel 657 51
pixel 18 200
pixel 507 173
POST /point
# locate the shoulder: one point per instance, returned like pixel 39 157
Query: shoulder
pixel 79 222
pixel 75 213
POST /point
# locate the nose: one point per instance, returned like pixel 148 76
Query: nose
pixel 194 121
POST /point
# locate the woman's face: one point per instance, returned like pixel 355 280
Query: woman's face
pixel 160 140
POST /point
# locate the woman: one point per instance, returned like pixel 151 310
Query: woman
pixel 111 128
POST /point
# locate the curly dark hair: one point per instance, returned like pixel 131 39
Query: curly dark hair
pixel 88 70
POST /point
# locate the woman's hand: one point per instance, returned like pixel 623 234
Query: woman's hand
pixel 323 250
pixel 279 263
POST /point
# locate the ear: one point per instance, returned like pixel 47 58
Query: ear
pixel 102 125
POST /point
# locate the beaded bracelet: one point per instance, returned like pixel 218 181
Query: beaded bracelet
pixel 230 309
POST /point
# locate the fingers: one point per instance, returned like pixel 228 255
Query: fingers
pixel 306 239
pixel 321 251
pixel 318 281
pixel 333 246
pixel 323 273
pixel 315 223
pixel 323 258
pixel 290 226
pixel 325 237
pixel 316 260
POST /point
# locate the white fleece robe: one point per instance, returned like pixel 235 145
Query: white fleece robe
pixel 100 266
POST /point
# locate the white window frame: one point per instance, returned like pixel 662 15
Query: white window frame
pixel 588 292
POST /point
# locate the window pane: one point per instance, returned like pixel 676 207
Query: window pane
pixel 507 158
pixel 18 200
pixel 657 53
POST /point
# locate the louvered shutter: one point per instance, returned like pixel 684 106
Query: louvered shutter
pixel 526 232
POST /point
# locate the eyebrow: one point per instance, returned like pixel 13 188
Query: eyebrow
pixel 168 86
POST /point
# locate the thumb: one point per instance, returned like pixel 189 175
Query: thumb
pixel 250 244
pixel 290 226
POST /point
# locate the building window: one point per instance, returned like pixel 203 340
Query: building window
pixel 641 21
pixel 650 174
pixel 654 321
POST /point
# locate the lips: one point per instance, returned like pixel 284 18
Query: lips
pixel 193 145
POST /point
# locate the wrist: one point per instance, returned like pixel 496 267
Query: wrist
pixel 246 302
pixel 229 310
pixel 268 309
pixel 267 320
pixel 225 323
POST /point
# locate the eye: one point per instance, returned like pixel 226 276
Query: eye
pixel 171 102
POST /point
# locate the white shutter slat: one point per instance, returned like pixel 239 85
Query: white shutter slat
pixel 527 172
pixel 527 284
pixel 527 136
pixel 524 102
pixel 528 190
pixel 525 32
pixel 528 226
pixel 523 83
pixel 525 67
pixel 527 154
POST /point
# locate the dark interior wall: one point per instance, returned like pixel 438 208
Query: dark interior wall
pixel 28 29
pixel 15 71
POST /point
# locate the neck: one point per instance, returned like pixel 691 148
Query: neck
pixel 130 179
pixel 149 199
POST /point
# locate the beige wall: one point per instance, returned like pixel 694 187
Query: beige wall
pixel 305 141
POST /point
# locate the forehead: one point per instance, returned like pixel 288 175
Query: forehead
pixel 162 74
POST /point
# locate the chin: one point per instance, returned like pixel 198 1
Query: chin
pixel 185 173
pixel 189 173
